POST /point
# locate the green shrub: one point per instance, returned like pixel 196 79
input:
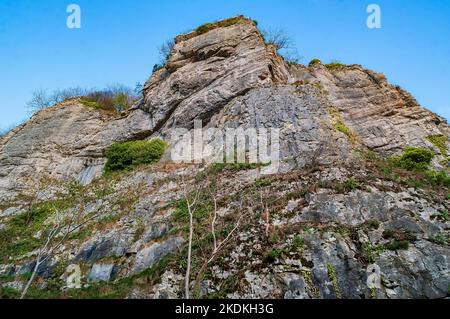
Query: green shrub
pixel 335 65
pixel 374 223
pixel 414 159
pixel 17 238
pixel 157 67
pixel 263 182
pixel 314 61
pixel 272 256
pixel 210 26
pixel 229 22
pixel 341 127
pixel 439 239
pixel 116 99
pixel 444 215
pixel 371 252
pixel 9 293
pixel 125 156
pixel 398 245
pixel 202 209
pixel 204 28
pixel 298 242
pixel 440 141
pixel 342 187
pixel 351 184
pixel 438 178
pixel 334 280
pixel 218 168
pixel 388 233
pixel 339 124
pixel 318 86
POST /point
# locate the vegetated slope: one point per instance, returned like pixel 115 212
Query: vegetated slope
pixel 342 218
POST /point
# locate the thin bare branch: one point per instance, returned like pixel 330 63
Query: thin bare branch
pixel 191 206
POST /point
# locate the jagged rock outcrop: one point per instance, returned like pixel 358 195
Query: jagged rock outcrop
pixel 328 223
pixel 206 71
pixel 386 118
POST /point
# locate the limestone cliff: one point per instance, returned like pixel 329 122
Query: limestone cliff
pixel 335 221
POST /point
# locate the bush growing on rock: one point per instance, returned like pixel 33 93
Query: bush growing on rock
pixel 116 97
pixel 213 25
pixel 126 156
pixel 314 62
pixel 398 245
pixel 438 178
pixel 414 159
pixel 440 141
pixel 335 66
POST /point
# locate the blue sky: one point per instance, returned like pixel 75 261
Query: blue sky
pixel 119 39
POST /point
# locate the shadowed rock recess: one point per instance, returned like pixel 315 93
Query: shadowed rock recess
pixel 338 220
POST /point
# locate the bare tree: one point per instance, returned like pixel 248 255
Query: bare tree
pixel 219 247
pixel 119 88
pixel 292 55
pixel 39 100
pixel 191 207
pixel 283 43
pixel 115 96
pixel 166 49
pixel 61 95
pixel 138 88
pixel 277 37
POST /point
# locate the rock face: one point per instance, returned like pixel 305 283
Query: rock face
pixel 101 272
pixel 147 257
pixel 327 223
pixel 63 142
pixel 385 117
pixel 207 71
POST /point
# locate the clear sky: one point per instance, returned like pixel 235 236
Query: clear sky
pixel 118 41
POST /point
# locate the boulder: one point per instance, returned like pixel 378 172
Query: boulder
pixel 100 272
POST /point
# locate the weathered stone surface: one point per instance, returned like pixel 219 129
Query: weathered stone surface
pixel 334 253
pixel 73 277
pixel 385 117
pixel 430 265
pixel 147 257
pixel 114 243
pixel 205 72
pixel 100 272
pixel 358 207
pixel 170 286
pixel 6 270
pixel 155 231
pixel 296 287
pixel 301 115
pixel 11 211
pixel 260 286
pixel 63 142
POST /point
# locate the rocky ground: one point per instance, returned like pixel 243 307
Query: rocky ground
pixel 337 220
